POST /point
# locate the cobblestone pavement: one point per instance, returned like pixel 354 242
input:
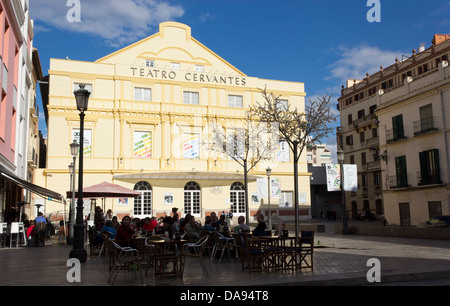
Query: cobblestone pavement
pixel 338 260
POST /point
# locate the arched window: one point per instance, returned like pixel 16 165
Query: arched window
pixel 143 203
pixel 237 198
pixel 192 199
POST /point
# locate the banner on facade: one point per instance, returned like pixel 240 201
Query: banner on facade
pixel 350 178
pixel 333 177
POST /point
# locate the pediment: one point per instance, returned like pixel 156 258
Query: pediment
pixel 173 43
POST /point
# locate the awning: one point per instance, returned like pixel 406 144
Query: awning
pixel 43 192
pixel 106 190
pixel 186 175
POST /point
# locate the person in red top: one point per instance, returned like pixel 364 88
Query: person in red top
pixel 125 232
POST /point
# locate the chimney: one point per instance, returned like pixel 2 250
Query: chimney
pixel 439 38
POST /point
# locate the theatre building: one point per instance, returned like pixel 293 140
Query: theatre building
pixel 147 121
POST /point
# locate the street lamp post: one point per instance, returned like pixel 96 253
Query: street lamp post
pixel 78 251
pixel 269 171
pixel 345 229
pixel 74 147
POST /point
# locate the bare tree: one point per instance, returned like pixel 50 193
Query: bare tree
pixel 247 144
pixel 297 127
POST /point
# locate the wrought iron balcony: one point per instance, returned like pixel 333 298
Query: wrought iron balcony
pixel 425 125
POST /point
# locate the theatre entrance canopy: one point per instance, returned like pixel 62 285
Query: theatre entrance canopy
pixel 185 176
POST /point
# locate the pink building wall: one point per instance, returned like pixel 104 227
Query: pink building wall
pixel 9 52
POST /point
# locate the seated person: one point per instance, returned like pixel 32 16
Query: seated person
pixel 192 229
pixel 147 225
pixel 208 226
pixel 109 227
pixel 242 226
pixel 167 226
pixel 125 232
pixel 261 227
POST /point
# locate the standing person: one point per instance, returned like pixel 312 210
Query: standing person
pixel 99 218
pixel 109 215
pixel 176 217
pixel 40 218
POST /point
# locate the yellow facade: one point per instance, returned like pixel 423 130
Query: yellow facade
pixel 130 140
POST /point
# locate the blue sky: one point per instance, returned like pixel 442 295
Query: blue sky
pixel 321 43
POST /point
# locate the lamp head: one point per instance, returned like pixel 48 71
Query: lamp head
pixel 340 156
pixel 82 98
pixel 268 171
pixel 74 147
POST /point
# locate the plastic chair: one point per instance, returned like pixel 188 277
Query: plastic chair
pixel 14 230
pixel 196 249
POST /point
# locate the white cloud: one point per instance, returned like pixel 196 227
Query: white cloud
pixel 355 62
pixel 117 22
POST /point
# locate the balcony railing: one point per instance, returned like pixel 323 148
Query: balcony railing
pixel 395 134
pixel 425 125
pixel 429 178
pixel 395 181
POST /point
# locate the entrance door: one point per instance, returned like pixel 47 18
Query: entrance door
pixel 405 215
pixel 143 203
pixel 237 199
pixel 192 199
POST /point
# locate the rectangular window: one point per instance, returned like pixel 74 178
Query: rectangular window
pixel 377 178
pixel 397 125
pixel 426 118
pixel 190 97
pixel 349 140
pixel 282 104
pixel 175 66
pixel 142 144
pixel 142 94
pixel 401 172
pixel 430 172
pixel 149 63
pixel 199 68
pixel 361 114
pixel 234 101
pixel 363 158
pixel 87 86
pixel 349 119
pixel 362 137
pixel 286 199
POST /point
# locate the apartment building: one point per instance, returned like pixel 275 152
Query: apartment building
pixel 149 110
pixel 18 110
pixel 318 155
pixel 394 127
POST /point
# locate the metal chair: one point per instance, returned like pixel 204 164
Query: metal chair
pixel 123 256
pixel 221 243
pixel 151 251
pixel 196 249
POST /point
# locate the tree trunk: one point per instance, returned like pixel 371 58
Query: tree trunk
pixel 296 188
pixel 247 213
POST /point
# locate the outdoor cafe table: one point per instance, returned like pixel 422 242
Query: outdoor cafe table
pixel 169 251
pixel 280 250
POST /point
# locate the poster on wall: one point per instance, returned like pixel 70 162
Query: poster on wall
pixel 333 177
pixel 191 146
pixel 87 137
pixel 123 201
pixel 255 198
pixel 168 198
pixel 275 188
pixel 142 144
pixel 350 178
pixel 282 154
